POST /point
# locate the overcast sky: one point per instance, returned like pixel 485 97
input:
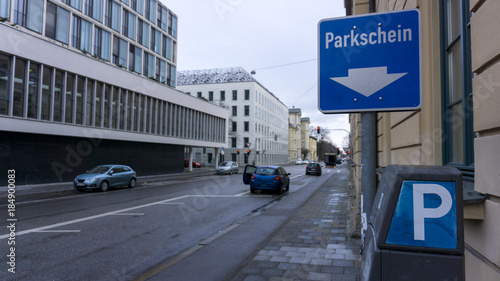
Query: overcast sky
pixel 256 34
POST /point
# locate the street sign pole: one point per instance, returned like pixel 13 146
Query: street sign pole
pixel 368 160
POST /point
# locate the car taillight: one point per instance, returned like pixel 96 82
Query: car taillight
pixel 308 167
pixel 277 178
pixel 253 177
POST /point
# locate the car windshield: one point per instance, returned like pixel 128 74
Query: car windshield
pixel 226 164
pixel 266 171
pixel 99 170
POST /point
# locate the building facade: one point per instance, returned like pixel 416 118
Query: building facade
pixel 458 124
pixel 294 134
pixel 87 82
pixel 304 131
pixel 313 148
pixel 258 120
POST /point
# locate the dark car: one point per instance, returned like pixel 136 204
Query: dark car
pixel 266 178
pixel 104 177
pixel 314 169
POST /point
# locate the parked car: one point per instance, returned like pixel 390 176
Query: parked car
pixel 228 167
pixel 266 178
pixel 299 162
pixel 104 177
pixel 195 164
pixel 313 168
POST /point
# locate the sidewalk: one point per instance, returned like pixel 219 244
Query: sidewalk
pixel 312 245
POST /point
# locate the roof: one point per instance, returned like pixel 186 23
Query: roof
pixel 294 110
pixel 213 76
pixel 217 76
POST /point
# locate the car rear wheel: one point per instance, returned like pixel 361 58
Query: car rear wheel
pixel 104 186
pixel 132 183
pixel 252 190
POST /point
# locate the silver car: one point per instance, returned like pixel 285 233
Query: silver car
pixel 228 167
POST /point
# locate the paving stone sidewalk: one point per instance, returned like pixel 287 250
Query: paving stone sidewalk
pixel 313 244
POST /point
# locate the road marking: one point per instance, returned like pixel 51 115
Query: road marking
pixel 55 231
pixel 243 193
pixel 168 203
pixel 129 214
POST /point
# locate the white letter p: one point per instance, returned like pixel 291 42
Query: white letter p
pixel 420 212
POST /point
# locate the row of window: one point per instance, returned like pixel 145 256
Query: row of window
pixel 29 13
pixel 35 91
pixel 62 26
pixel 234 110
pixel 223 95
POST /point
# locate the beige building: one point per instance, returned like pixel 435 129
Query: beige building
pixel 304 131
pixel 313 148
pixel 294 134
pixel 458 124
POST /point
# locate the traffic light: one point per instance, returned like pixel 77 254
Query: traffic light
pixel 338 151
pixel 248 151
pixel 238 152
pixel 318 129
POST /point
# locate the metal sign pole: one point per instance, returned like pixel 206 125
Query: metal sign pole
pixel 368 160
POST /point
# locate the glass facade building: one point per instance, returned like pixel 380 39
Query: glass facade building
pixel 125 33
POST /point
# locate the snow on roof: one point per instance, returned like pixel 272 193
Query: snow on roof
pixel 213 76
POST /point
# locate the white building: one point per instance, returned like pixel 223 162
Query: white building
pixel 258 120
pixel 87 82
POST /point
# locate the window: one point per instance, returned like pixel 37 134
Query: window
pixel 155 40
pixel 234 126
pixel 143 33
pixel 80 86
pixel 247 94
pixel 162 71
pixel 82 34
pixel 211 96
pixel 57 23
pixel 93 9
pixel 114 107
pixel 107 105
pixel 125 2
pixel 135 59
pixel 19 86
pixel 163 18
pixel 235 95
pixel 46 92
pixel 167 51
pixel 171 75
pixel 112 15
pixel 28 14
pixel 77 4
pixel 247 126
pixel 90 103
pixel 130 110
pixel 5 9
pixel 70 80
pixel 58 96
pixel 128 24
pixel 222 95
pixel 120 51
pixel 172 25
pixel 247 110
pixel 138 6
pixel 235 111
pixel 34 73
pixel 151 10
pixel 98 104
pixel 5 70
pixel 458 148
pixel 199 94
pixel 149 65
pixel 102 44
pixel 233 142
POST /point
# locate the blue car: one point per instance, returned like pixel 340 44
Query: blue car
pixel 104 177
pixel 266 178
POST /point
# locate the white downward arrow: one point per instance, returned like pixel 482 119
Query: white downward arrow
pixel 368 81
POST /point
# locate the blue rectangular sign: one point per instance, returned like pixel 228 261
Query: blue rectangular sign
pixel 370 62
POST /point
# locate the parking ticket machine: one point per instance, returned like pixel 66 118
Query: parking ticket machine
pixel 415 229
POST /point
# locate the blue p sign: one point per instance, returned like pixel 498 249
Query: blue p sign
pixel 425 215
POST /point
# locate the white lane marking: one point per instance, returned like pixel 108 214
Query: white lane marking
pixel 129 214
pixel 42 228
pixel 168 203
pixel 61 231
pixel 243 193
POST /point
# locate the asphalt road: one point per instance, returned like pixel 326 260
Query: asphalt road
pixel 151 231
